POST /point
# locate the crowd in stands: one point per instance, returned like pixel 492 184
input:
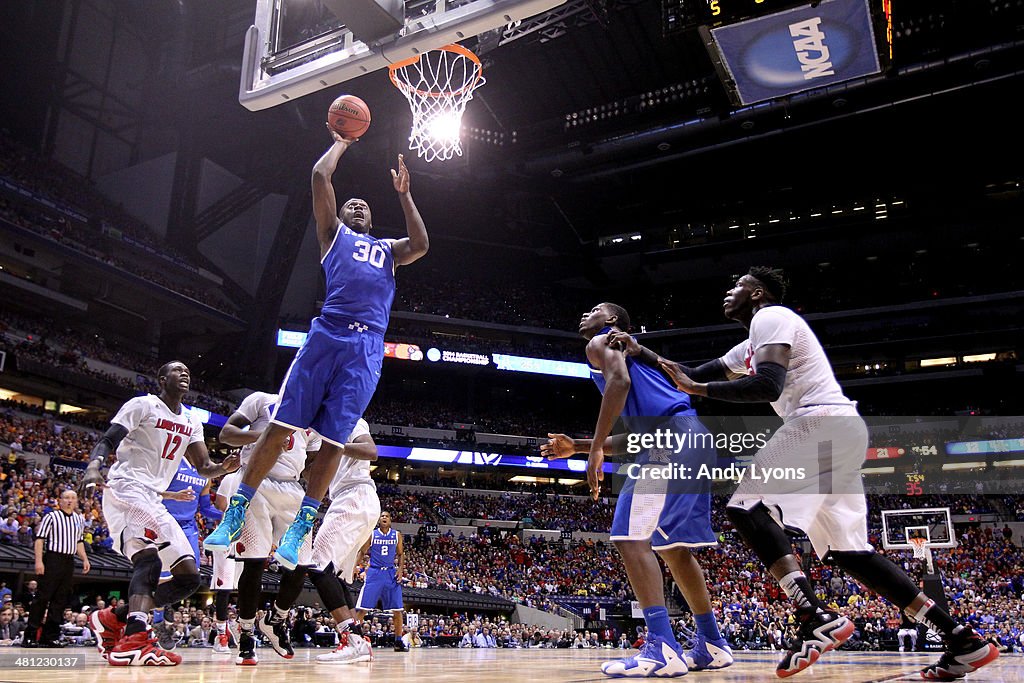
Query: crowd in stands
pixel 66 348
pixel 539 510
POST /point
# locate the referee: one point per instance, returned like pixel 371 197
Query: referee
pixel 61 534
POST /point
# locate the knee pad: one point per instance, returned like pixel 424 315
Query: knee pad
pixel 879 574
pixel 329 587
pixel 145 575
pixel 177 589
pixel 762 533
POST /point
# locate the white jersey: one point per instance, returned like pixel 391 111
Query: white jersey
pixel 257 408
pixel 809 379
pixel 351 471
pixel 156 441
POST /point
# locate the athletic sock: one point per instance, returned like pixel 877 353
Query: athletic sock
pixel 246 625
pixel 246 491
pixel 138 622
pixel 279 613
pixel 222 627
pixel 344 626
pixel 799 590
pixel 658 624
pixel 937 619
pixel 310 502
pixel 707 626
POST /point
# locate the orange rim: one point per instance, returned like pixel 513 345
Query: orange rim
pixel 453 47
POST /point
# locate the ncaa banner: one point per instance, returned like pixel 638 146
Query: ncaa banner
pixel 798 49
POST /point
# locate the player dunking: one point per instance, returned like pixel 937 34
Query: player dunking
pixel 269 512
pixel 335 373
pixel 782 362
pixel 650 515
pixel 149 434
pixel 350 518
pixel 383 583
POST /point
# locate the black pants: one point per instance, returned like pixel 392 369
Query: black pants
pixel 54 592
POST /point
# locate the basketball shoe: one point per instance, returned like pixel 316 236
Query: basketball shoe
pixel 166 635
pixel 274 630
pixel 656 659
pixel 287 553
pixel 819 633
pixel 141 649
pixel 220 644
pixel 965 652
pixel 108 629
pixel 247 650
pixel 230 527
pixel 351 649
pixel 702 654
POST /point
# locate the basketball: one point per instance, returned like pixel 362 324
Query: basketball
pixel 349 117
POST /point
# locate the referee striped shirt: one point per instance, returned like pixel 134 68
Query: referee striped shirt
pixel 62 532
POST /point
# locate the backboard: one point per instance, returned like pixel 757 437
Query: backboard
pixel 933 524
pixel 297 47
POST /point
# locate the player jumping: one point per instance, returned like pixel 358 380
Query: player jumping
pixel 335 373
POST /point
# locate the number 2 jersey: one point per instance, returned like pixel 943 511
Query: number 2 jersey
pixel 257 408
pixel 360 272
pixel 155 444
pixel 383 549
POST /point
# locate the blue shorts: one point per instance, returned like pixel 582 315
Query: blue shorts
pixel 331 380
pixel 674 512
pixel 192 534
pixel 381 586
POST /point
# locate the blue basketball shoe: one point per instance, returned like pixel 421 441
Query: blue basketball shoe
pixel 702 654
pixel 287 553
pixel 656 659
pixel 230 527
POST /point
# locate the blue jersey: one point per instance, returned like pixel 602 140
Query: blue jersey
pixel 360 272
pixel 185 477
pixel 651 394
pixel 383 549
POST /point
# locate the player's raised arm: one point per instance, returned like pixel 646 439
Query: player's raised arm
pixel 325 204
pixel 408 249
pixel 560 446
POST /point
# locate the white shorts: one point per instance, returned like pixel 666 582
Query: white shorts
pixel 348 523
pixel 224 576
pixel 827 447
pixel 138 520
pixel 229 484
pixel 270 513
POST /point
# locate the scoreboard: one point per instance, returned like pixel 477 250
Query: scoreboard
pixel 682 15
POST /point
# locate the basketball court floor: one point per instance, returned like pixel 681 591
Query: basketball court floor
pixel 460 666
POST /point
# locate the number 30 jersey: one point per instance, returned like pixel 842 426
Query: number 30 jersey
pixel 360 272
pixel 156 442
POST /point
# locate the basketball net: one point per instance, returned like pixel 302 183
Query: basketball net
pixel 438 84
pixel 921 552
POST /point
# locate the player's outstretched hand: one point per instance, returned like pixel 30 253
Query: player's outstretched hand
pixel 231 463
pixel 92 481
pixel 623 341
pixel 400 177
pixel 182 496
pixel 678 377
pixel 558 446
pixel 595 470
pixel 336 136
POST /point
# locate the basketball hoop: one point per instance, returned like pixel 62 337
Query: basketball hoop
pixel 437 85
pixel 920 547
